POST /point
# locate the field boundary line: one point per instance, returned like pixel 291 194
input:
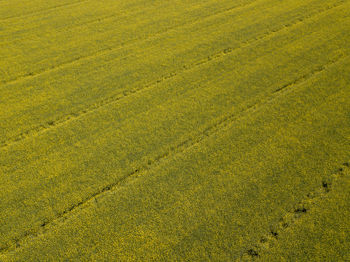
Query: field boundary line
pixel 294 214
pixel 110 49
pixel 41 128
pixel 222 124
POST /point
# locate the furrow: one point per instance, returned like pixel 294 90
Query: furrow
pixel 43 10
pixel 115 98
pixel 108 50
pixel 292 216
pixel 218 126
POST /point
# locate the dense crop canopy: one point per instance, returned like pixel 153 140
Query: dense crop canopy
pixel 174 130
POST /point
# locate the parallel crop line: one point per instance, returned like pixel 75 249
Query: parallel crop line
pixel 220 126
pixel 292 216
pixel 114 99
pixel 70 27
pixel 43 10
pixel 100 19
pixel 107 50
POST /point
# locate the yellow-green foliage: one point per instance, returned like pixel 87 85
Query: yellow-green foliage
pixel 322 235
pixel 174 130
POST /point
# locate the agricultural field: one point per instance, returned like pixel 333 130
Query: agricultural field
pixel 173 130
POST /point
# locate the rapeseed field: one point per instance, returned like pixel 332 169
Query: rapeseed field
pixel 175 130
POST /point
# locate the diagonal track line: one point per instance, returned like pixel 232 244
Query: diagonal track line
pixel 44 10
pixel 97 20
pixel 219 126
pixel 293 215
pixel 128 43
pixel 116 98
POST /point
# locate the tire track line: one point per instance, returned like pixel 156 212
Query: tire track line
pixel 254 252
pixel 68 27
pixel 73 27
pixel 128 43
pixel 219 126
pixel 115 98
pixel 44 10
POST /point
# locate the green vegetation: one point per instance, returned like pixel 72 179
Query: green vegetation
pixel 325 231
pixel 174 130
